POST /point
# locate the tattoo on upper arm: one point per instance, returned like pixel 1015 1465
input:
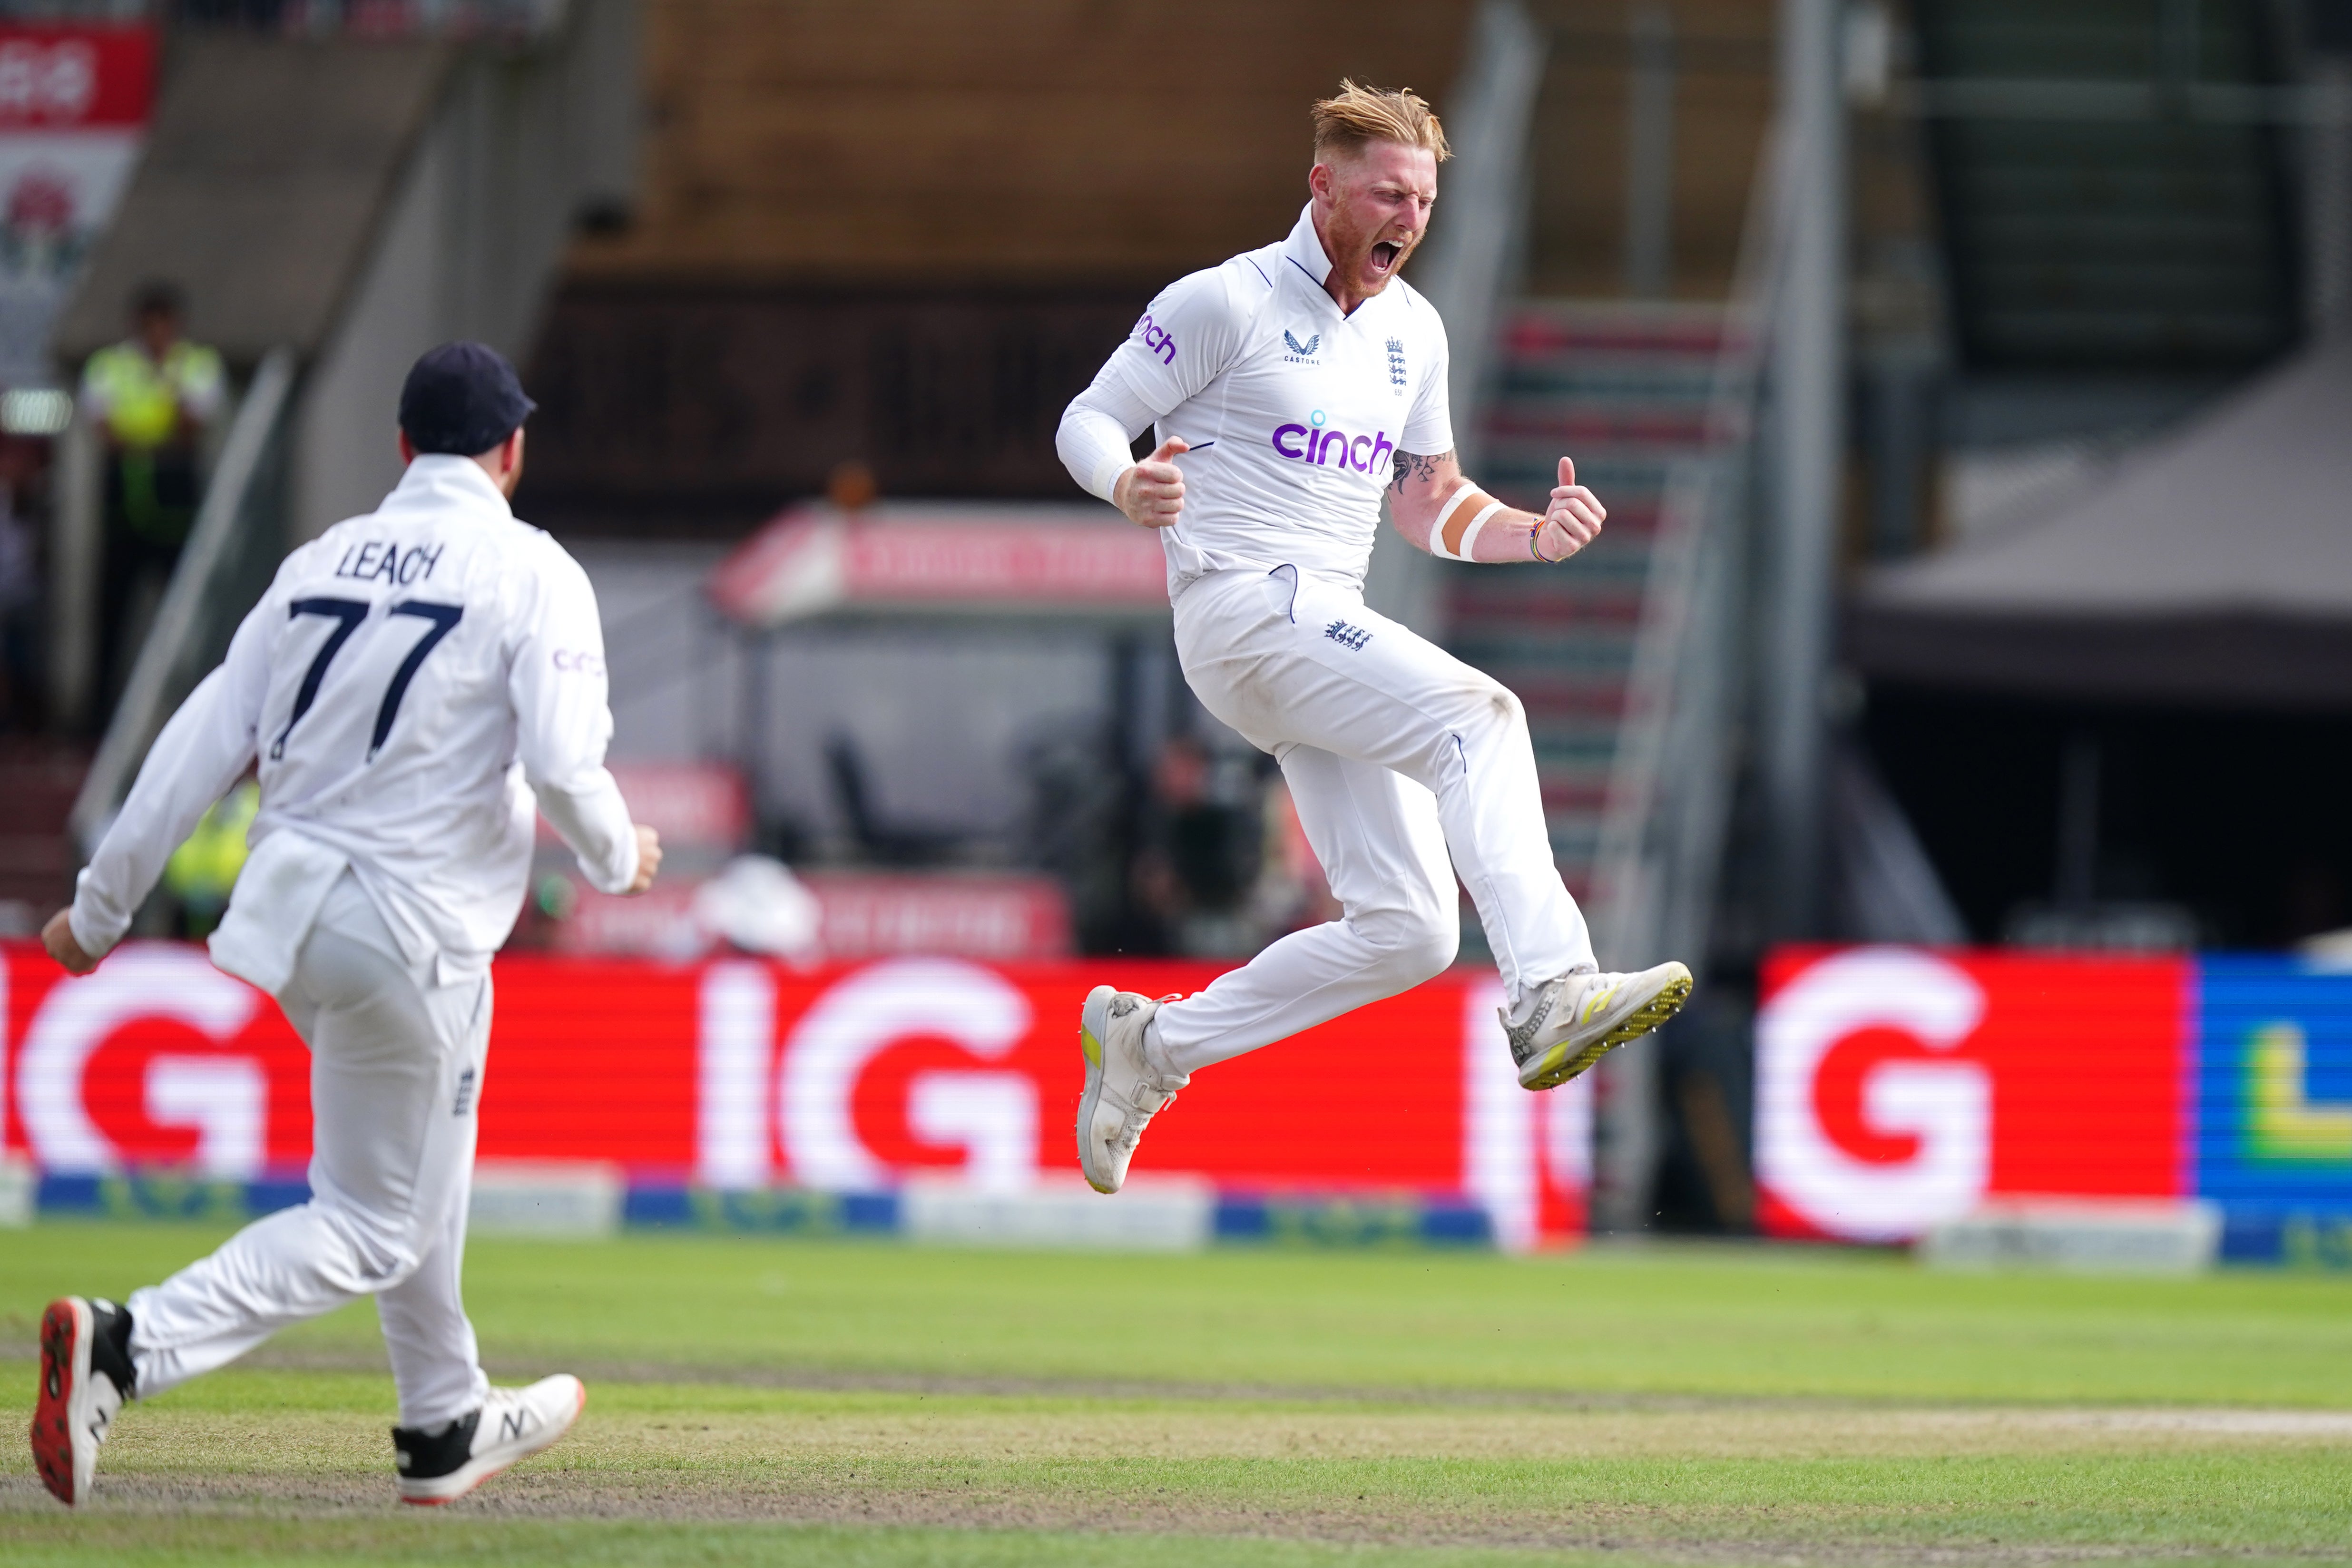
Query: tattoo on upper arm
pixel 1413 465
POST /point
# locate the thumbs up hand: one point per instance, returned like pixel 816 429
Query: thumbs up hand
pixel 1151 493
pixel 1573 519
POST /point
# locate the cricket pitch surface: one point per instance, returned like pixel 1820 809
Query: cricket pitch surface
pixel 877 1404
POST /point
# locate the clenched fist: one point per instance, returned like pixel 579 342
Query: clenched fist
pixel 64 946
pixel 1152 493
pixel 648 860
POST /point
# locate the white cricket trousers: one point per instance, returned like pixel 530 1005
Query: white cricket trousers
pixel 1397 754
pixel 396 1066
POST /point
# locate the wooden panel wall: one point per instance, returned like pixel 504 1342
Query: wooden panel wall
pixel 682 409
pixel 957 141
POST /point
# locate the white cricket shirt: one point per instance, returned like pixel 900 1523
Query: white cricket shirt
pixel 1293 411
pixel 407 681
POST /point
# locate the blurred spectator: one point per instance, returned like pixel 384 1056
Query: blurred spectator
pixel 20 594
pixel 1202 835
pixel 1291 894
pixel 153 396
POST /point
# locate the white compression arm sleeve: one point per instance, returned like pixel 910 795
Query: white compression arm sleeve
pixel 1097 429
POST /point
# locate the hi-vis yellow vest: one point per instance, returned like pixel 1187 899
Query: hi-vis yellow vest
pixel 141 399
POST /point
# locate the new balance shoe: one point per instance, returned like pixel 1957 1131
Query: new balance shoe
pixel 1576 1020
pixel 1123 1091
pixel 85 1378
pixel 513 1425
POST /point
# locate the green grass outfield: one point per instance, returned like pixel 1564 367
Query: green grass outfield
pixel 871 1404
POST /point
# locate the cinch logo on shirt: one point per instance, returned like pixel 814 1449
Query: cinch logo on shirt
pixel 1311 443
pixel 1157 338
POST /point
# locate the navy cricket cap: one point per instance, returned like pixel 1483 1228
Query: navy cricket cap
pixel 462 399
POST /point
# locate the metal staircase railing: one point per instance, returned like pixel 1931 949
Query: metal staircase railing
pixel 1664 825
pixel 1669 792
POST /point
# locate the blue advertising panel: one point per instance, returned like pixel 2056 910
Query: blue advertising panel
pixel 2272 1108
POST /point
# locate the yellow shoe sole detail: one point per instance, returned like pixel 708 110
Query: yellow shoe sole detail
pixel 1091 1048
pixel 1558 1067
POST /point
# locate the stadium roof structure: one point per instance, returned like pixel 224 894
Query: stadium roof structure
pixel 2214 565
pixel 913 558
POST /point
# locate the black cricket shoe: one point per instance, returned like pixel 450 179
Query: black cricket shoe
pixel 85 1378
pixel 444 1464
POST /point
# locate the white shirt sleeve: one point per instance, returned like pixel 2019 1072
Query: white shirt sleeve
pixel 1098 431
pixel 203 388
pixel 1190 335
pixel 1429 427
pixel 562 722
pixel 207 746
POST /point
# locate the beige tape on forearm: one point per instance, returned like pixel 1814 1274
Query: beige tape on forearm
pixel 1469 547
pixel 1458 547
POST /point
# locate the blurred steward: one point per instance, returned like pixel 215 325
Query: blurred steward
pixel 203 869
pixel 152 398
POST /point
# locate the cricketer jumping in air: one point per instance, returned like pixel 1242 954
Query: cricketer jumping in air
pixel 1286 389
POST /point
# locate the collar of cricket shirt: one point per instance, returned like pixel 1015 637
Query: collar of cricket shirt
pixel 1303 249
pixel 438 479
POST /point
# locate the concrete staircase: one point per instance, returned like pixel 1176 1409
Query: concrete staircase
pixel 1620 389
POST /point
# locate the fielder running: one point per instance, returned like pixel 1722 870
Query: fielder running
pixel 409 683
pixel 1285 388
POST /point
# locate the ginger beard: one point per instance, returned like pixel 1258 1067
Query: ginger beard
pixel 1371 211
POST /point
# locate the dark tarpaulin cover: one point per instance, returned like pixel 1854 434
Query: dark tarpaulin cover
pixel 2214 565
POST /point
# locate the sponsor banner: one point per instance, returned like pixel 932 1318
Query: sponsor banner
pixel 1897 1088
pixel 1060 560
pixel 858 915
pixel 1324 1223
pixel 742 1075
pixel 73 111
pixel 76 77
pixel 2273 1097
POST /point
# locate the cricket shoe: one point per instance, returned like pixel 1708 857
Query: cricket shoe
pixel 1123 1091
pixel 1576 1020
pixel 513 1425
pixel 85 1378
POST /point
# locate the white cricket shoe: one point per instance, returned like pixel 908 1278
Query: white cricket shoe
pixel 513 1425
pixel 86 1376
pixel 1123 1092
pixel 1574 1021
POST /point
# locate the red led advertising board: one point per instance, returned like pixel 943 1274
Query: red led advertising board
pixel 75 77
pixel 739 1073
pixel 1897 1087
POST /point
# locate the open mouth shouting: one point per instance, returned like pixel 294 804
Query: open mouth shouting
pixel 1385 256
